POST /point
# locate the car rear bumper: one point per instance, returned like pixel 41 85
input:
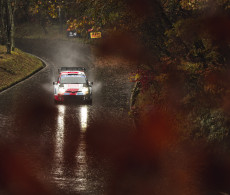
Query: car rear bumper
pixel 62 98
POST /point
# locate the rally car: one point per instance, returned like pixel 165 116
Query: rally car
pixel 72 85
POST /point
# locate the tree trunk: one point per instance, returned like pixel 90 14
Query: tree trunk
pixel 8 26
pixel 12 34
pixel 13 25
pixel 2 23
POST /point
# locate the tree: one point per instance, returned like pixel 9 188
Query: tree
pixel 2 22
pixel 8 8
pixel 11 8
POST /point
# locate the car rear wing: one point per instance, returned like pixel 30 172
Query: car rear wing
pixel 71 69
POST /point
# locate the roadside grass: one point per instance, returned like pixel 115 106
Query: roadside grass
pixel 16 67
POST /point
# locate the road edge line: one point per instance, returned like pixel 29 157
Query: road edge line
pixel 28 76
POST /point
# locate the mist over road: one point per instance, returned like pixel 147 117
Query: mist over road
pixel 66 148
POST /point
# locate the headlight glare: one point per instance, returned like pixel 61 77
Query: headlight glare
pixel 85 90
pixel 62 90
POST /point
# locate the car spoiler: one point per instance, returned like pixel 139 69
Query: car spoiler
pixel 72 69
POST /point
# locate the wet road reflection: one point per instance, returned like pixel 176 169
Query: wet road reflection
pixel 60 140
pixel 83 118
pixel 82 166
pixel 72 142
pixel 76 160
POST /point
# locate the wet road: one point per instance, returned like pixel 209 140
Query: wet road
pixel 66 148
pixel 81 149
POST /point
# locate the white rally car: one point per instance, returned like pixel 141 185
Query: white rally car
pixel 72 85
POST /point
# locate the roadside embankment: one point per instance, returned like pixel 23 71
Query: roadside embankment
pixel 195 102
pixel 16 67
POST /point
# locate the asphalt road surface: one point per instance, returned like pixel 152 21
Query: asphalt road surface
pixel 65 148
pixel 92 149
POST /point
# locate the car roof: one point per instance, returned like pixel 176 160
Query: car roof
pixel 72 72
